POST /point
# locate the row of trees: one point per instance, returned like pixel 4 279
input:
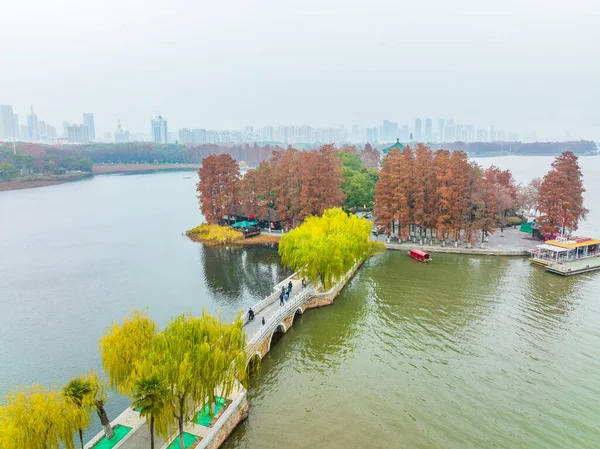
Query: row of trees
pixel 167 374
pixel 441 194
pixel 41 418
pixel 40 160
pixel 294 183
pixel 170 374
pixel 522 148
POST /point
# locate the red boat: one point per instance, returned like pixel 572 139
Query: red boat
pixel 419 255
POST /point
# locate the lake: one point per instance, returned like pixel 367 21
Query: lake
pixel 466 352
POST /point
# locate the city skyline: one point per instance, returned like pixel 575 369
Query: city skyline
pixel 422 130
pixel 324 63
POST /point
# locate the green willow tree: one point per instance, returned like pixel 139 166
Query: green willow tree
pixel 325 248
pixel 38 418
pixel 193 356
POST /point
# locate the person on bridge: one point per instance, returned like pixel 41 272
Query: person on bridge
pixel 251 314
pixel 263 321
pixel 286 297
pixel 304 282
pixel 281 299
pixel 290 287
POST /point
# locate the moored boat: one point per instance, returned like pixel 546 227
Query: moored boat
pixel 419 255
pixel 568 256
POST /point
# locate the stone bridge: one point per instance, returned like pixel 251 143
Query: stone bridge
pixel 279 318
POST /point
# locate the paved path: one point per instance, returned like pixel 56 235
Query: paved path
pixel 252 327
pixel 511 241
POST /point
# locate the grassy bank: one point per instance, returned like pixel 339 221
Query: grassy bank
pixel 30 182
pixel 215 235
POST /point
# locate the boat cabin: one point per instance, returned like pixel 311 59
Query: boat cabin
pixel 419 255
pixel 563 250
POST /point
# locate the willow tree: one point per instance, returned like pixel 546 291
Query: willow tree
pixel 122 346
pixel 325 248
pixel 38 418
pixel 193 357
pixel 196 356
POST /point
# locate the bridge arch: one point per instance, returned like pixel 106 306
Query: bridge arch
pixel 299 311
pixel 253 364
pixel 280 328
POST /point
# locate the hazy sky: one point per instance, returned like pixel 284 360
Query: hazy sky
pixel 521 64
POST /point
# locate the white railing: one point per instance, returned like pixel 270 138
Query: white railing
pixel 260 305
pixel 271 324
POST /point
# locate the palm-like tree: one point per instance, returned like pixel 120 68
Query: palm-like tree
pixel 79 391
pixel 151 395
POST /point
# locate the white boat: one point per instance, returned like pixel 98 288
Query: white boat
pixel 567 256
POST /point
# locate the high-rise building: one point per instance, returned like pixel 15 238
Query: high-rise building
pixel 42 128
pixel 159 130
pixel 458 132
pixel 482 135
pixel 78 134
pixel 66 130
pixel 7 122
pixel 441 125
pixel 492 134
pixel 371 134
pixel 17 127
pixel 185 135
pixel 33 126
pixel 199 135
pixel 389 131
pixel 428 129
pixel 50 133
pixel 418 129
pixel 24 132
pixel 120 134
pixel 88 120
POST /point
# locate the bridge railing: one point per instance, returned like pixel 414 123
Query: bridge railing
pixel 271 324
pixel 257 307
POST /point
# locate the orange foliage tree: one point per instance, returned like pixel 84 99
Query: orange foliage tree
pixel 561 195
pixel 441 195
pixel 218 187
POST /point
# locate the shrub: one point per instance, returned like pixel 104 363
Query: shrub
pixel 215 234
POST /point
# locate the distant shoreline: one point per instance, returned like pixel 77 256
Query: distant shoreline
pixel 41 181
pixel 103 169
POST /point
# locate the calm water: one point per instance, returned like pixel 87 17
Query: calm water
pixel 467 352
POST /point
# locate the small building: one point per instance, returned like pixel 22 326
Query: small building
pixel 398 145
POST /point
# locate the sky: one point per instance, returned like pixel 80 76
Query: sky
pixel 522 65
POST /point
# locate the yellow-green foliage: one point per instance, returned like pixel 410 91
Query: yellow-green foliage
pixel 195 357
pixel 38 418
pixel 376 247
pixel 215 233
pixel 324 248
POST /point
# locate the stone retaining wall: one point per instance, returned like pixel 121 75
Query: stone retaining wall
pixel 459 250
pixel 238 413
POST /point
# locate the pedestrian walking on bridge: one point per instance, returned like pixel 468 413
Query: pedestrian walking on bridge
pixel 281 298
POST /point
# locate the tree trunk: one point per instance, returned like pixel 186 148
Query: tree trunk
pixel 81 437
pixel 108 430
pixel 181 443
pixel 151 431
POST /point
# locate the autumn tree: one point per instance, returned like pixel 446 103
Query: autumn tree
pixel 286 183
pixel 218 187
pixel 561 195
pixel 321 179
pixel 370 156
pixel 383 205
pixel 257 193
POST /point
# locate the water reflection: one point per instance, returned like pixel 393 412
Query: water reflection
pixel 232 272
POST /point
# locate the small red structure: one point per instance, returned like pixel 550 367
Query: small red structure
pixel 419 255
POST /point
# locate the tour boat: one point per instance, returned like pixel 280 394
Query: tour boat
pixel 568 256
pixel 419 255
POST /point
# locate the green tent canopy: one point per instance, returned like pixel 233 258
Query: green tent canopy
pixel 244 224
